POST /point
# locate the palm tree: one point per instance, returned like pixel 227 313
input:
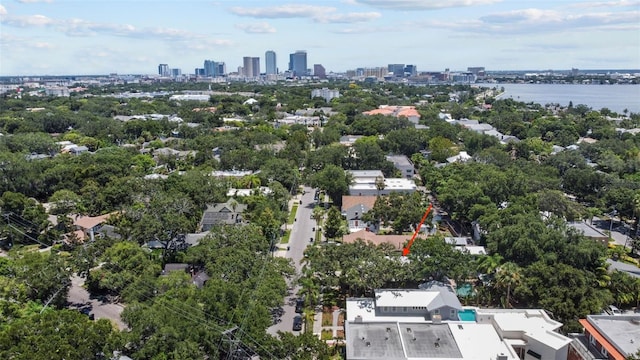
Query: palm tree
pixel 508 275
pixel 380 185
pixel 602 274
pixel 310 289
pixel 489 263
pixel 318 214
pixel 249 182
pixel 636 213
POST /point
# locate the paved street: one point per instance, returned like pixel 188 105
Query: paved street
pixel 617 235
pixel 621 266
pixel 78 298
pixel 301 234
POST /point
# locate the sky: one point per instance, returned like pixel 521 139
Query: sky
pixel 63 37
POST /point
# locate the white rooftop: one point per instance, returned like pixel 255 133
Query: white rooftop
pixel 533 323
pixel 474 249
pixel 479 341
pixel 404 298
pixel 366 173
pixel 462 156
pixel 248 192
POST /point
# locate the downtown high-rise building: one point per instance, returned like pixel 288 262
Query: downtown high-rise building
pixel 163 70
pixel 396 69
pixel 214 68
pixel 319 71
pixel 298 63
pixel 410 70
pixel 251 66
pixel 270 62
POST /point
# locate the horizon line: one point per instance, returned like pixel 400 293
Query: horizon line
pixel 331 72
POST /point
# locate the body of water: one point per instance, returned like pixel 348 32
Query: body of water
pixel 614 97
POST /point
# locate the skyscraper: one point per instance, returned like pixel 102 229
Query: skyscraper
pixel 251 66
pixel 298 63
pixel 410 70
pixel 163 70
pixel 270 62
pixel 318 70
pixel 255 65
pixel 214 68
pixel 247 66
pixel 396 69
pixel 221 69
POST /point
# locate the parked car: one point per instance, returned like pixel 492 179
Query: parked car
pixel 87 311
pixel 299 305
pixel 297 323
pixel 614 310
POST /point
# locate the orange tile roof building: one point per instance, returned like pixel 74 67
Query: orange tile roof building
pixel 397 241
pixel 409 112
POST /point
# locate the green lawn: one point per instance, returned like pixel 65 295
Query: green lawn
pixel 285 237
pixel 292 215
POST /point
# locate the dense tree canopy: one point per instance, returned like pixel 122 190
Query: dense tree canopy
pixel 156 177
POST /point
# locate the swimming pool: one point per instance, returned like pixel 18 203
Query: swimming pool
pixel 467 315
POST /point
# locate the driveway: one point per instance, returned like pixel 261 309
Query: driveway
pixel 78 298
pixel 301 233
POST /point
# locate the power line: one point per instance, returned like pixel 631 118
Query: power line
pixel 192 317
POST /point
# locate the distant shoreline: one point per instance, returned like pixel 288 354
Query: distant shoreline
pixel 614 98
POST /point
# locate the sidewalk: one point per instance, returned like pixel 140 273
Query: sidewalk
pixel 334 327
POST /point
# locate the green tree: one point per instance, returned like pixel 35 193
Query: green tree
pixel 45 275
pixel 441 148
pixel 65 202
pixel 334 180
pixel 508 276
pixel 334 226
pixel 58 335
pixel 125 266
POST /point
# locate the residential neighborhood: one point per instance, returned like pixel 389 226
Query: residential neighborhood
pixel 425 223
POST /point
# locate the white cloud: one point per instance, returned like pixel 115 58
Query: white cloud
pixel 41 45
pixel 3 10
pixel 79 27
pixel 531 21
pixel 423 4
pixel 283 11
pixel 26 21
pixel 369 29
pixel 33 1
pixel 521 16
pixel 595 4
pixel 256 28
pixel 18 42
pixel 553 20
pixel 348 18
pixel 321 14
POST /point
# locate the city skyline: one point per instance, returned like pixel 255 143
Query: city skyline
pixel 56 37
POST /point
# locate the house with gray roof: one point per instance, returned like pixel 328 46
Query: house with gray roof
pixel 354 207
pixel 403 164
pixel 435 301
pixel 228 213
